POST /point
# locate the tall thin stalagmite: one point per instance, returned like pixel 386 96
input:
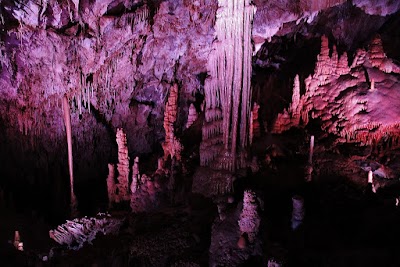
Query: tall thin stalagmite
pixel 228 88
pixel 67 122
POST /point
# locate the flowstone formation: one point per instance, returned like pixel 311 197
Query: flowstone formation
pixel 353 102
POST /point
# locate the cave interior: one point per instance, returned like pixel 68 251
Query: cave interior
pixel 199 133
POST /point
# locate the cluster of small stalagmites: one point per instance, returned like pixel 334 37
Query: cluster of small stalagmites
pixel 123 193
pixel 249 221
pixel 353 115
pixel 291 116
pixel 377 57
pixel 172 146
pixel 192 116
pixel 147 196
pixel 80 230
pixel 122 167
pixel 327 67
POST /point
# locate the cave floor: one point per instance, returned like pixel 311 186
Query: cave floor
pixel 345 223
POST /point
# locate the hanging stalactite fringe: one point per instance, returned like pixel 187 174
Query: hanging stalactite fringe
pixel 228 88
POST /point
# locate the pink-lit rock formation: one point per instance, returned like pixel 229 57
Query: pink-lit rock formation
pixel 149 196
pixel 135 176
pixel 291 116
pixel 228 90
pixel 192 116
pixel 254 123
pixel 352 103
pixel 111 186
pixel 172 146
pixel 249 221
pixel 122 167
pixel 67 122
pixel 77 232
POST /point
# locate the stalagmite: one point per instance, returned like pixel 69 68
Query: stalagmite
pixel 17 241
pixel 295 106
pixel 311 149
pixel 370 177
pixel 371 181
pixel 192 116
pixel 135 175
pixel 249 221
pixel 111 185
pixel 122 167
pixel 67 122
pixel 172 146
pixel 298 211
pixel 228 87
pixel 291 116
pixel 254 123
pixel 309 166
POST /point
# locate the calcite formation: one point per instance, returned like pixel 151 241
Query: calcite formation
pixel 135 175
pixel 255 130
pixel 352 102
pixel 297 211
pixel 67 122
pixel 172 146
pixel 122 167
pixel 192 116
pixel 111 186
pixel 77 232
pixel 228 90
pixel 250 220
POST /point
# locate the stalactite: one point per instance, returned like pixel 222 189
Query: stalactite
pixel 228 87
pixel 67 121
